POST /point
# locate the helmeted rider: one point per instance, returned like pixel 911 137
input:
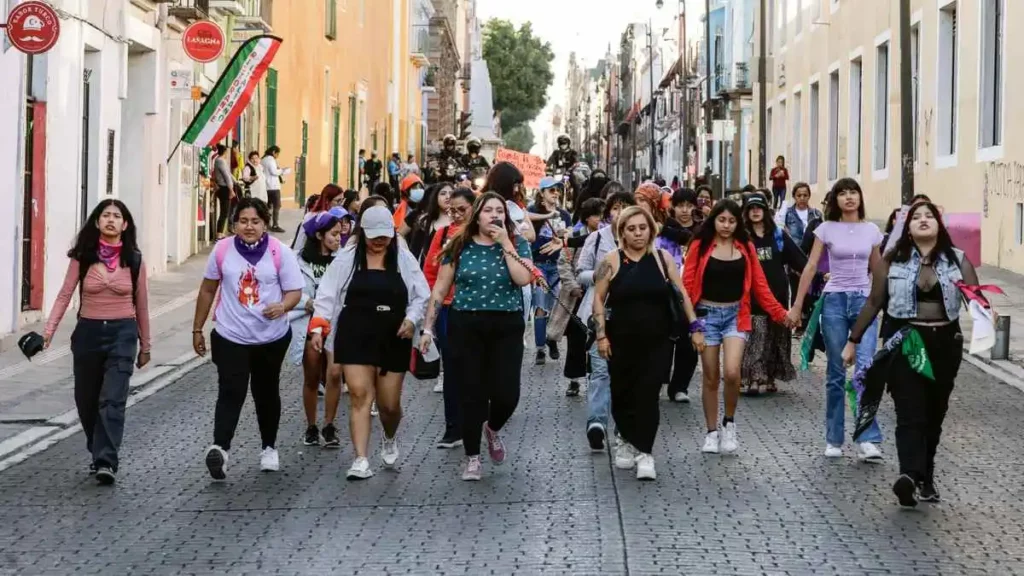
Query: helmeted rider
pixel 564 158
pixel 449 161
pixel 472 159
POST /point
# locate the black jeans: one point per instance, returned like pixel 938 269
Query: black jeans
pixel 684 360
pixel 237 365
pixel 274 200
pixel 488 352
pixel 921 403
pixel 452 388
pixel 104 359
pixel 223 208
pixel 637 368
pixel 576 352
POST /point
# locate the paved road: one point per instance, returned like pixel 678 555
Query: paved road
pixel 777 508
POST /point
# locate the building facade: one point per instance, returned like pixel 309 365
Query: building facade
pixel 443 102
pixel 834 107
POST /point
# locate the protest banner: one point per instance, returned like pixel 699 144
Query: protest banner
pixel 532 167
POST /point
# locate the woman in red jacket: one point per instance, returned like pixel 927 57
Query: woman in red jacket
pixel 721 274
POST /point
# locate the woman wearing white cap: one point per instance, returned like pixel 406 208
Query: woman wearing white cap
pixel 375 291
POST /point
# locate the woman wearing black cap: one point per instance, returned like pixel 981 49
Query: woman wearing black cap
pixel 767 356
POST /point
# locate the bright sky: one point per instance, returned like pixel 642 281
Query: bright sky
pixel 586 27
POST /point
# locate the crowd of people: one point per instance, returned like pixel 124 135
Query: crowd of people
pixel 636 287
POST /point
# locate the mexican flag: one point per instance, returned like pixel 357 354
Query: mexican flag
pixel 232 92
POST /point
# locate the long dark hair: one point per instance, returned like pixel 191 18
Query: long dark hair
pixel 390 257
pixel 832 210
pixel 502 179
pixel 87 243
pixel 610 188
pixel 311 249
pixel 768 221
pixel 472 227
pixel 433 210
pixel 905 244
pixel 705 237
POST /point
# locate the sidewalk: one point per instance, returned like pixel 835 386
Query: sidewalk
pixel 1011 305
pixel 37 397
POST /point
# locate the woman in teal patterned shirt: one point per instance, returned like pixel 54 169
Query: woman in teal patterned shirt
pixel 488 264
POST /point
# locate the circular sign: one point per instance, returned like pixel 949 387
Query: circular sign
pixel 33 27
pixel 203 41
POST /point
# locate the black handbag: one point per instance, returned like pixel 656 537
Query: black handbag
pixel 675 303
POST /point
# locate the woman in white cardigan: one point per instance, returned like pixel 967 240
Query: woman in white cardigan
pixel 369 304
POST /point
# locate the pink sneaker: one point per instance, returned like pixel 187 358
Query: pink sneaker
pixel 473 469
pixel 495 447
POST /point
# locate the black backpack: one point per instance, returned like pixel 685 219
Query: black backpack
pixel 134 265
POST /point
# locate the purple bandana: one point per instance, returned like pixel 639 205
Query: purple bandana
pixel 110 255
pixel 252 253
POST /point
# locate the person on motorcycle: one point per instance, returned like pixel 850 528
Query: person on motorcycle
pixel 472 159
pixel 448 161
pixel 563 159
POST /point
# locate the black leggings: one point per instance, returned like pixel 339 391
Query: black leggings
pixel 576 352
pixel 685 362
pixel 223 208
pixel 237 366
pixel 921 403
pixel 488 351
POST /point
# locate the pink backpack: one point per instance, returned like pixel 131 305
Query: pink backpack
pixel 221 252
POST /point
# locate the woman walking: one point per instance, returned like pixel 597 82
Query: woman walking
pixel 113 322
pixel 460 207
pixel 421 225
pixel 273 175
pixel 681 227
pixel 252 176
pixel 259 281
pixel 917 283
pixel 853 250
pixel 323 239
pixel 723 276
pixel 779 177
pixel 488 265
pixel 637 282
pixel 371 300
pixel 545 250
pixel 767 355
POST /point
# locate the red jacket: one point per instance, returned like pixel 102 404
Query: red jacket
pixel 753 280
pixel 432 261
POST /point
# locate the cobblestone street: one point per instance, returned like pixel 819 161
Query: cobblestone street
pixel 777 508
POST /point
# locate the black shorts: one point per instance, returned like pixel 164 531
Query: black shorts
pixel 369 338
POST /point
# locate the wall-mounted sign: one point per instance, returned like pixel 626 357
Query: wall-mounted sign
pixel 33 27
pixel 179 84
pixel 203 41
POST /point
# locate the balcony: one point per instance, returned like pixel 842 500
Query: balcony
pixel 466 74
pixel 419 45
pixel 736 81
pixel 256 17
pixel 446 13
pixel 190 10
pixel 233 7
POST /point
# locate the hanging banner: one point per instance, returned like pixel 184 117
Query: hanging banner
pixel 531 166
pixel 232 92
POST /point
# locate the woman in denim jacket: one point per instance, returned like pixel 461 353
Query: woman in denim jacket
pixel 800 217
pixel 918 284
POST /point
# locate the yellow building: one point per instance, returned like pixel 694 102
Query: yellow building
pixel 340 83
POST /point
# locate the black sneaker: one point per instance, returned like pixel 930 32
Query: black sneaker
pixel 277 229
pixel 451 439
pixel 595 436
pixel 331 439
pixel 573 390
pixel 312 437
pixel 104 475
pixel 905 491
pixel 541 358
pixel 553 350
pixel 928 493
pixel 92 468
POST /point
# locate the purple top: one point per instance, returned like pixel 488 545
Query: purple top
pixel 849 251
pixel 245 290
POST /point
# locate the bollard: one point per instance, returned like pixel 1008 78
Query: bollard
pixel 1001 349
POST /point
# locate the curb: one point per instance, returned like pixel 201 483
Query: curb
pixel 1006 371
pixel 38 438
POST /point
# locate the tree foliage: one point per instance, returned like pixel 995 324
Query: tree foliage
pixel 520 68
pixel 519 138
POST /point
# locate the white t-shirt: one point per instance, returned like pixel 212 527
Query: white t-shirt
pixel 803 215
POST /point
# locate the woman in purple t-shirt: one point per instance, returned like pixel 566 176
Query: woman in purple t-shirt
pixel 853 248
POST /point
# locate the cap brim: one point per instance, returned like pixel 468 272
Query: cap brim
pixel 379 232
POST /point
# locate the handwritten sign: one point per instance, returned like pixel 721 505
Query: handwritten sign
pixel 532 167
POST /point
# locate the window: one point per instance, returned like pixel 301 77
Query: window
pixel 856 88
pixel 947 79
pixel 331 19
pixel 812 145
pixel 1018 223
pixel 797 161
pixel 833 125
pixel 327 95
pixel 915 78
pixel 990 94
pixel 335 143
pixel 271 107
pixel 880 129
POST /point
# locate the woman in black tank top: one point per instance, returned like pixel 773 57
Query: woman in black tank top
pixel 633 314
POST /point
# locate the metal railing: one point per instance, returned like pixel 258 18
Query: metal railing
pixel 447 10
pixel 190 9
pixel 419 39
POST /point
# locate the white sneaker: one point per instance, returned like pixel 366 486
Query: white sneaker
pixel 359 470
pixel 389 451
pixel 681 397
pixel 344 388
pixel 269 461
pixel 729 442
pixel 439 387
pixel 645 467
pixel 217 462
pixel 869 452
pixel 832 451
pixel 711 443
pixel 625 456
pixel 373 409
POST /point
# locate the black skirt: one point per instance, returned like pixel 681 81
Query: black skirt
pixel 369 338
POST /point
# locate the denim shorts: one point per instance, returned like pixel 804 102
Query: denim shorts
pixel 720 322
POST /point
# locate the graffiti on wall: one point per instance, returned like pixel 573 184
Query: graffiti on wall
pixel 1003 180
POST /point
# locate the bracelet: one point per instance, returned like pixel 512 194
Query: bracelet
pixel 697 326
pixel 601 338
pixel 200 331
pixel 851 340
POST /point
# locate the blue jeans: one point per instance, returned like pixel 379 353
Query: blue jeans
pixel 544 300
pixel 599 390
pixel 838 315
